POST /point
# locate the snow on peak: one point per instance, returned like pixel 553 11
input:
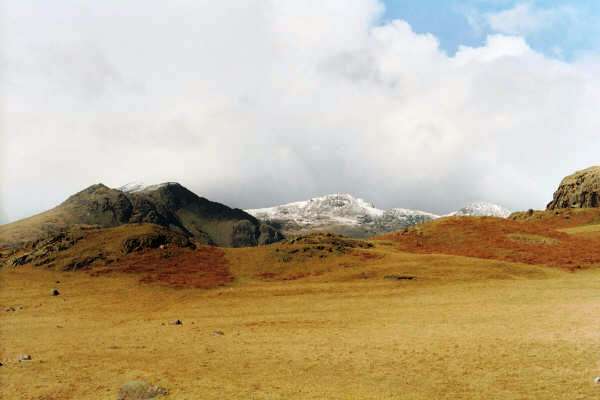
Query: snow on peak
pixel 136 187
pixel 331 208
pixel 405 211
pixel 341 205
pixel 340 209
pixel 482 209
pixel 132 187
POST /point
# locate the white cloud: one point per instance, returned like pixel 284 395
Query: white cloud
pixel 526 19
pixel 276 101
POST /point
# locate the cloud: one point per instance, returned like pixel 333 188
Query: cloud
pixel 526 19
pixel 277 101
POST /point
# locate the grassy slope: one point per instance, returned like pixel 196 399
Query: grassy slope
pixel 592 230
pixel 265 264
pixel 29 228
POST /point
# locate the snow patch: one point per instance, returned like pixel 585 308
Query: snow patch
pixel 132 187
pixel 482 209
pixel 136 187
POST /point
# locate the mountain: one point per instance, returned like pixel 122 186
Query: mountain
pixel 167 204
pixel 355 217
pixel 579 190
pixel 339 213
pixel 481 209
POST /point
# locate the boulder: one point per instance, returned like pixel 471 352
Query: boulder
pixel 140 390
pixel 579 190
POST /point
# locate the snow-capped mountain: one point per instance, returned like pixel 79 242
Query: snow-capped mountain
pixel 348 215
pixel 340 213
pixel 333 208
pixel 482 209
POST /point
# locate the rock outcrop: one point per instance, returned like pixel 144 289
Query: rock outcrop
pixel 580 190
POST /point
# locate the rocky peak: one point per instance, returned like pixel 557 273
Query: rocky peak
pixel 99 205
pixel 579 190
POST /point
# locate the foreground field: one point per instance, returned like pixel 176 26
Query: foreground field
pixel 464 329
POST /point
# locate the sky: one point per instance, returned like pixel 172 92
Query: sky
pixel 424 104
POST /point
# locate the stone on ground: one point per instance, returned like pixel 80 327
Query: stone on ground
pixel 140 390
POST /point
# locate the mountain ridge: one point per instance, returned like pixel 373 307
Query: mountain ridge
pixel 353 216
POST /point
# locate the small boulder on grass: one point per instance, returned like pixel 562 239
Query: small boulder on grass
pixel 140 390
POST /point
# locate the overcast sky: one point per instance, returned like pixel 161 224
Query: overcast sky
pixel 420 104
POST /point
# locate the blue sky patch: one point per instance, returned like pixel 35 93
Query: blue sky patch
pixel 560 29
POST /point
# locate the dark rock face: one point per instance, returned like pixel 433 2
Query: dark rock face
pixel 580 190
pixel 268 234
pixel 99 205
pixel 83 262
pixel 174 206
pixel 43 251
pixel 153 241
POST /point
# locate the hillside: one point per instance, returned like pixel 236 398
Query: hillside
pixel 169 204
pixel 561 238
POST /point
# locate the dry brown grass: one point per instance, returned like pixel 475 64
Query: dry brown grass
pixel 531 242
pixel 454 337
pixel 202 268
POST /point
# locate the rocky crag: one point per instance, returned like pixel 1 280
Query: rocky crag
pixel 579 190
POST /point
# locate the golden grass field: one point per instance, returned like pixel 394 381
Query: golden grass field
pixel 300 326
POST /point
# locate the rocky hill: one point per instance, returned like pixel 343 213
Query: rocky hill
pixel 579 190
pixel 355 217
pixel 168 204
